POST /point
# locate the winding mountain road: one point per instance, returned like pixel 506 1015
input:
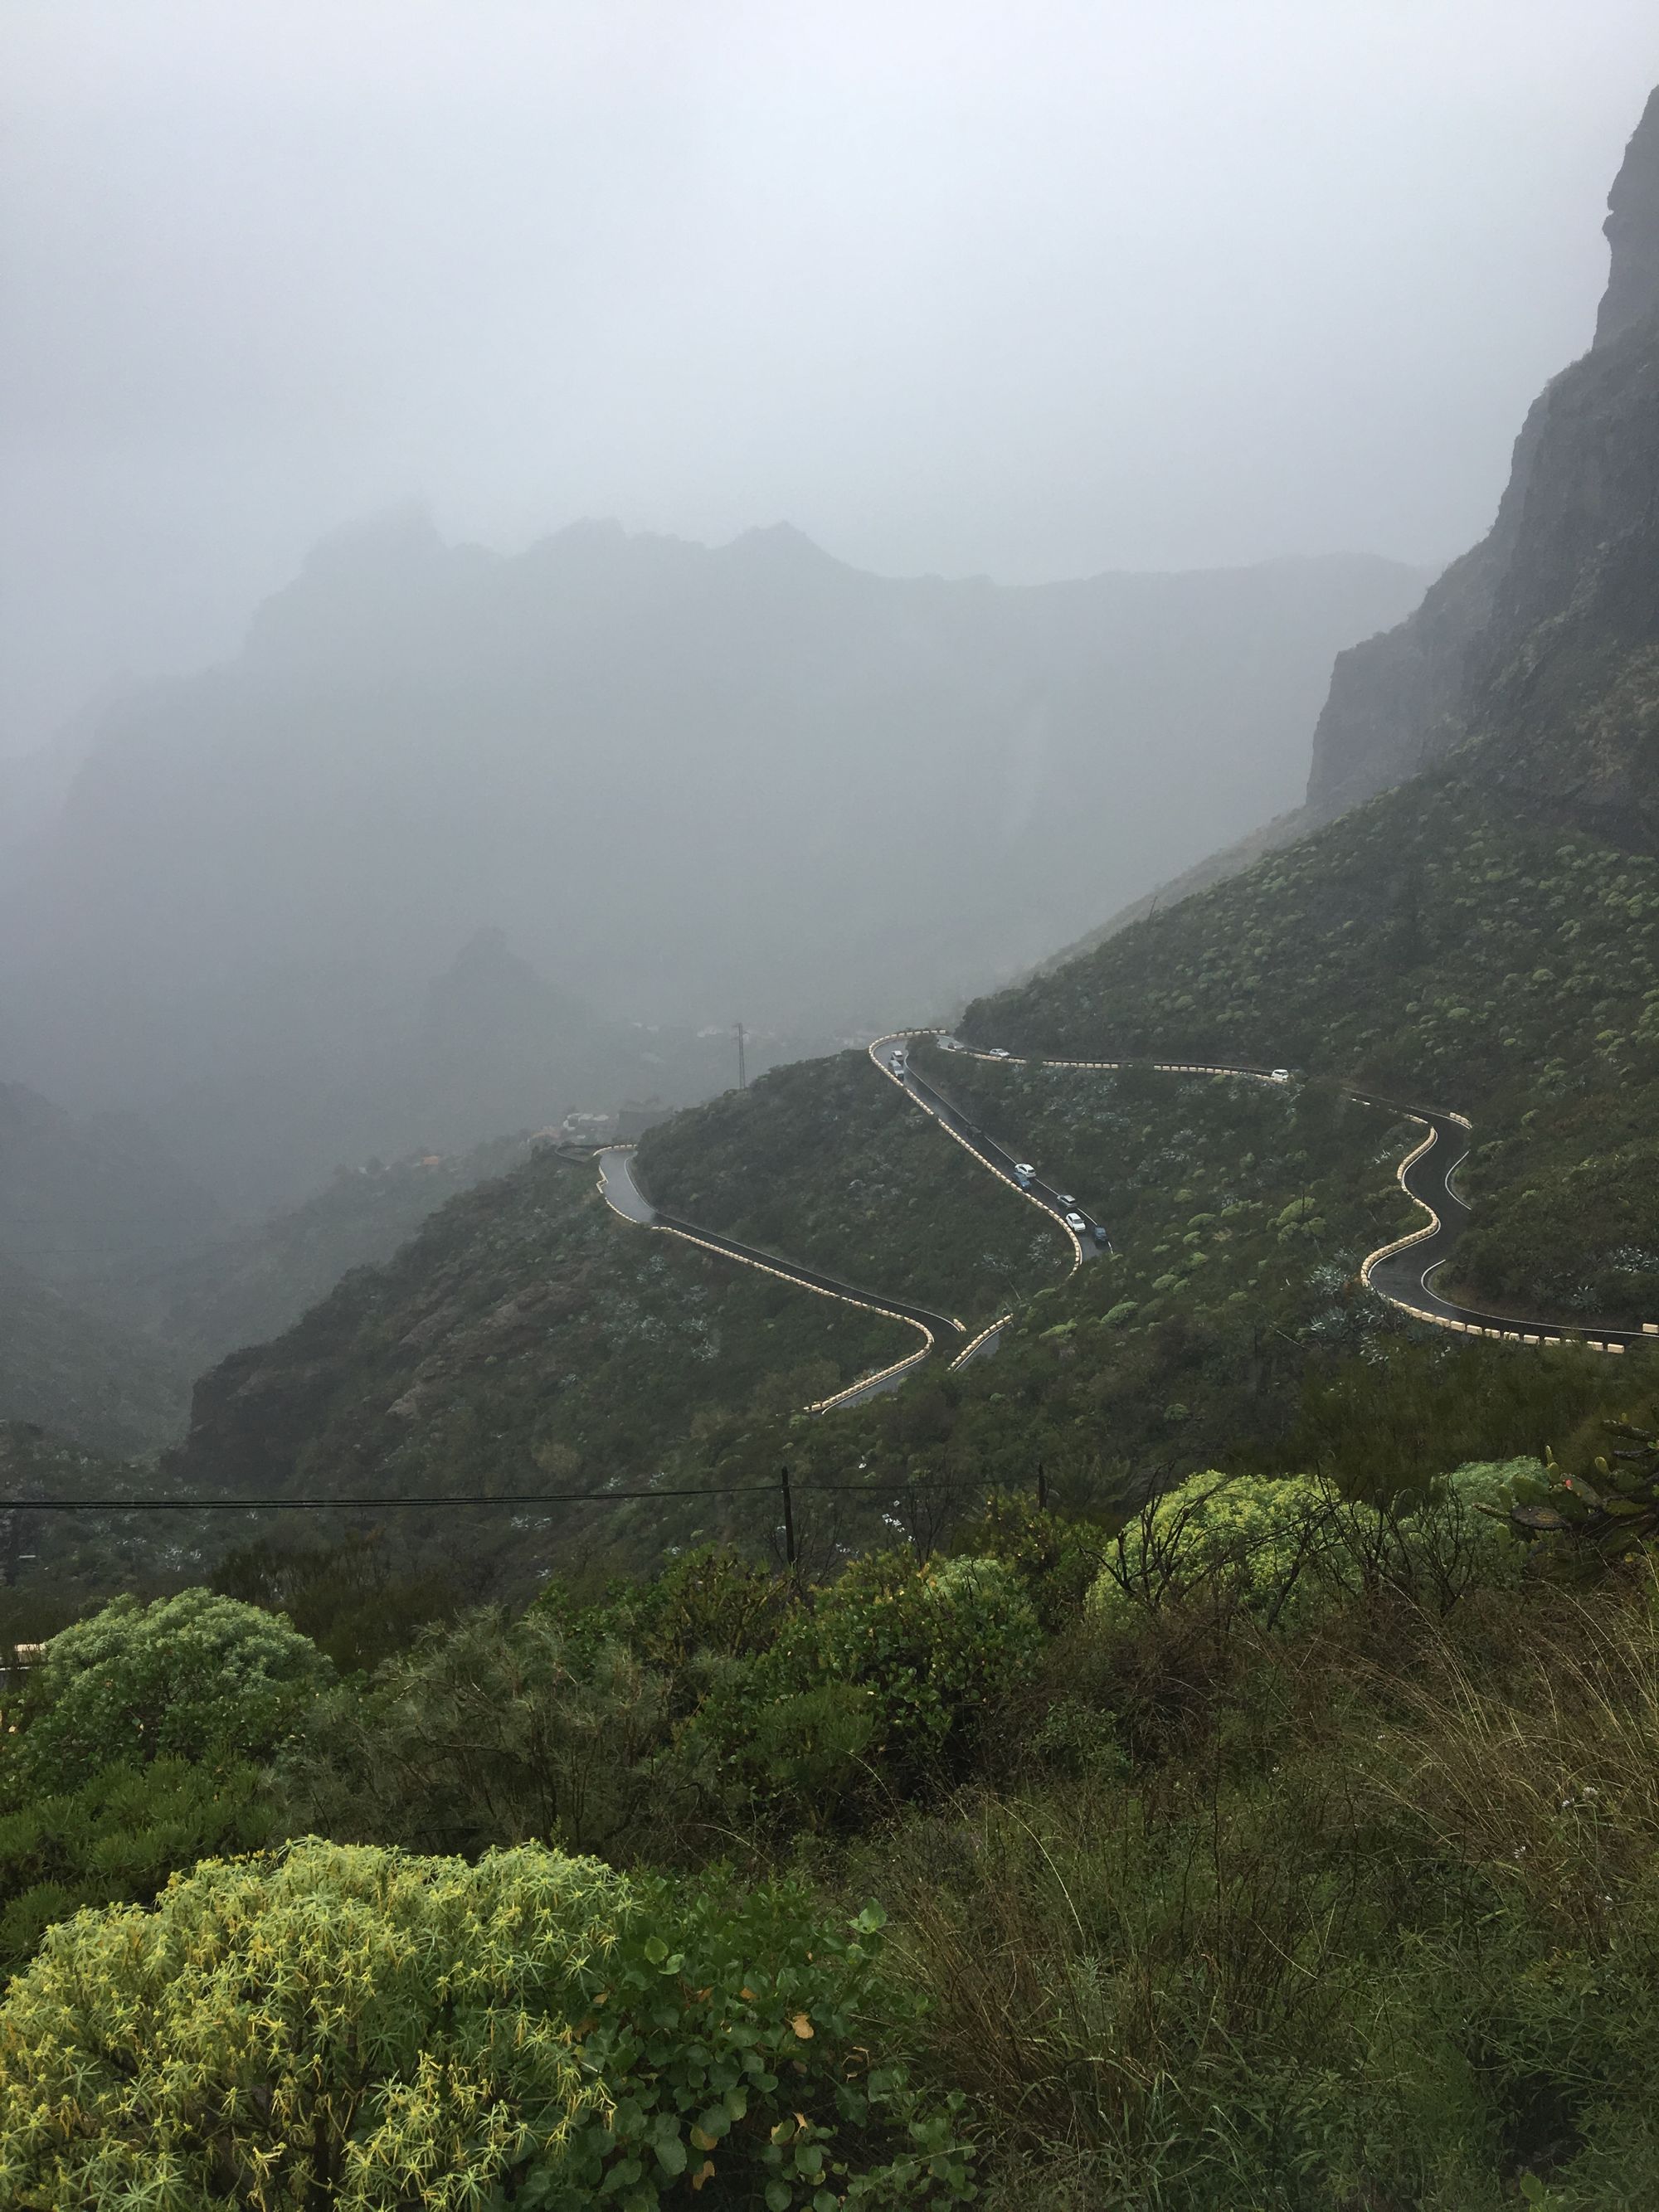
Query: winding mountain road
pixel 1399 1272
pixel 622 1194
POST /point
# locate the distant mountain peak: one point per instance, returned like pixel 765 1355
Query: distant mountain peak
pixel 394 533
pixel 781 541
pixel 1633 231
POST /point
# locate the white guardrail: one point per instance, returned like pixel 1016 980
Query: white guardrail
pixel 866 1383
pixel 1449 1322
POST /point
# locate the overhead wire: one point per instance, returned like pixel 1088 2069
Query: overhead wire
pixel 503 1497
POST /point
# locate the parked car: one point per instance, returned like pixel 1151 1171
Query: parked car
pixel 1075 1221
pixel 1098 1233
pixel 1001 1052
pixel 1279 1075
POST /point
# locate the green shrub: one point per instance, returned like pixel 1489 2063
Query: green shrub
pixel 711 1604
pixel 1255 1542
pixel 491 1731
pixel 1283 1550
pixel 347 1597
pixel 194 1676
pixel 533 2030
pixel 1056 1559
pixel 889 1681
pixel 117 1838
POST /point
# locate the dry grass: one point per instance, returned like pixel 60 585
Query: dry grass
pixel 1549 1776
pixel 1310 1954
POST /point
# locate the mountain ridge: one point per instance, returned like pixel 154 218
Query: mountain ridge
pixel 690 785
pixel 1501 638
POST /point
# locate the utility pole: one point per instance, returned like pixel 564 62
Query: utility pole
pixel 743 1079
pixel 788 1520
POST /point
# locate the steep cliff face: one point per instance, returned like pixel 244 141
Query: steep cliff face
pixel 1633 229
pixel 1561 696
pixel 1544 640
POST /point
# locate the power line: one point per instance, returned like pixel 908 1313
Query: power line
pixel 507 1498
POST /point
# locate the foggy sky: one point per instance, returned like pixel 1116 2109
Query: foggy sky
pixel 1032 288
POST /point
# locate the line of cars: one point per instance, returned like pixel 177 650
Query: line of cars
pixel 1024 1172
pixel 1079 1224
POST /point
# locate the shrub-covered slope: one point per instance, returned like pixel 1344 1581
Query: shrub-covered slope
pixel 826 1164
pixel 1436 945
pixel 67 1366
pixel 124 1298
pixel 1440 943
pixel 252 1283
pixel 525 1339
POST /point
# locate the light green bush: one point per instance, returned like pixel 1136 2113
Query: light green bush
pixel 1250 1539
pixel 1284 1548
pixel 353 2027
pixel 195 1676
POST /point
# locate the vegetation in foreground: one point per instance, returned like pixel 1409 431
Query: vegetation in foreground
pixel 1268 1847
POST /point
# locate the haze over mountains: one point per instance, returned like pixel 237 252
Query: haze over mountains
pixel 1481 926
pixel 684 784
pixel 1546 631
pixel 1150 1487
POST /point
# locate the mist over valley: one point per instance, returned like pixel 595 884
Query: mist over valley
pixel 826 1382
pixel 685 786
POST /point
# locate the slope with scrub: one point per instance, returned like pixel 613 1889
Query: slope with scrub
pixel 1438 943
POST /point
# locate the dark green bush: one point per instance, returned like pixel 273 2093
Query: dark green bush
pixel 120 1836
pixel 887 1686
pixel 490 1730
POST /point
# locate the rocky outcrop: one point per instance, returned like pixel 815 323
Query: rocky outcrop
pixel 1632 231
pixel 1540 640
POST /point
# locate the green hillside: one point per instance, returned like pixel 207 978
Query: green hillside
pixel 70 1367
pixel 825 1162
pixel 1199 1756
pixel 1440 944
pixel 525 1339
pixel 251 1284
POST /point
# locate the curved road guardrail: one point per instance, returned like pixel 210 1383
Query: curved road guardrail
pixel 1401 1281
pixel 1398 1272
pixel 622 1194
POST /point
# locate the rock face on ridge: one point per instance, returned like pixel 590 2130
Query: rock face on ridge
pixel 1544 638
pixel 1632 231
